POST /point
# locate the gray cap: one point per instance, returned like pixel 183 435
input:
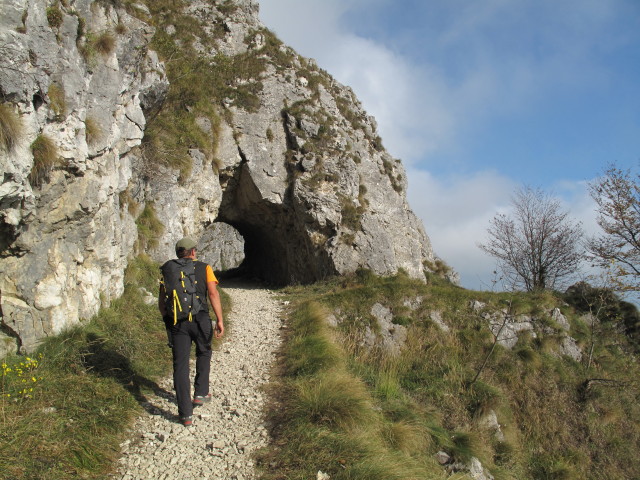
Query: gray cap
pixel 185 244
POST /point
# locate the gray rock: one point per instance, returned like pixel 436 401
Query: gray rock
pixel 571 349
pixel 393 337
pixel 436 317
pixel 443 458
pixel 560 319
pixel 489 421
pixel 477 472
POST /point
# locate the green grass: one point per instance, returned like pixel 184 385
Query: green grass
pixel 90 383
pixel 149 228
pixel 55 16
pixel 355 412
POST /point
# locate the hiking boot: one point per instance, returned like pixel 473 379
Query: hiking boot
pixel 186 421
pixel 201 400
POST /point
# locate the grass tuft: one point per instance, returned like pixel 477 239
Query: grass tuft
pixel 57 101
pixel 10 128
pixel 93 131
pixel 149 228
pixel 45 157
pixel 55 16
pixel 335 399
pixel 104 43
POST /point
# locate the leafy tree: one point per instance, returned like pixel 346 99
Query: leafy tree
pixel 537 245
pixel 617 249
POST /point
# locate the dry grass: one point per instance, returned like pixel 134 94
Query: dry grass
pixel 93 131
pixel 45 157
pixel 10 127
pixel 57 101
pixel 104 43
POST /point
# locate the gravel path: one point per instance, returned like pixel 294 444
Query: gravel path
pixel 226 431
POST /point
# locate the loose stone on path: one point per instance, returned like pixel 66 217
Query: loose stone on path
pixel 229 429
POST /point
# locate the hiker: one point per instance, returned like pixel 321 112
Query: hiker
pixel 184 288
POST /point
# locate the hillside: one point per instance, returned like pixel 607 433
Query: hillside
pixel 386 378
pixel 374 380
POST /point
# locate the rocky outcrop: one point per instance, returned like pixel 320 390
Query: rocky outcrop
pixel 507 329
pixel 297 185
pixel 66 239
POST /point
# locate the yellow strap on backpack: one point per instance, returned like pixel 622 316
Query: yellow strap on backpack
pixel 176 300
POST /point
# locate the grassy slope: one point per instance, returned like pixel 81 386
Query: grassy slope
pixel 356 413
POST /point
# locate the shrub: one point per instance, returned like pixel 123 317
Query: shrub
pixel 10 128
pixel 45 157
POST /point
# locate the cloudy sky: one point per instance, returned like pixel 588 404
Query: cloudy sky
pixel 479 97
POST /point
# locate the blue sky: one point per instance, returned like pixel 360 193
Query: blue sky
pixel 479 97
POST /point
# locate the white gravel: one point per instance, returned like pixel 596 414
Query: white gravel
pixel 227 431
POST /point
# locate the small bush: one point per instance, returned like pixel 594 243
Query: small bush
pixel 45 157
pixel 10 128
pixel 54 16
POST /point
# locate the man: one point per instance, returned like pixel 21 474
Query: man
pixel 196 327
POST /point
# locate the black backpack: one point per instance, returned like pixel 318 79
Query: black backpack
pixel 180 285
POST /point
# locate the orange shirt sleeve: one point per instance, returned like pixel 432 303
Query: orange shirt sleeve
pixel 210 275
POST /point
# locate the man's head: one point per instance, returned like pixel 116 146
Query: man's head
pixel 184 247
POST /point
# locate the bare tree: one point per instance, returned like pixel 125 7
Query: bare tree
pixel 617 250
pixel 537 245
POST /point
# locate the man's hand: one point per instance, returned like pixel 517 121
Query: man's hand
pixel 219 330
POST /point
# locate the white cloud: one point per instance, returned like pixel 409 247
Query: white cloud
pixel 456 213
pixel 409 102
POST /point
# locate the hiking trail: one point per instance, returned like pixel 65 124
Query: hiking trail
pixel 229 429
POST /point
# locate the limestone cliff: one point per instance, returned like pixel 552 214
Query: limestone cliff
pixel 224 134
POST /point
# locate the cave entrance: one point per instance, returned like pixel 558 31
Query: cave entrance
pixel 240 249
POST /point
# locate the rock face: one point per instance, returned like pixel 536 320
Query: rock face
pixel 301 188
pixel 66 240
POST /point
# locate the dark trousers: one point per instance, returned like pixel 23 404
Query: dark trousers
pixel 199 332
